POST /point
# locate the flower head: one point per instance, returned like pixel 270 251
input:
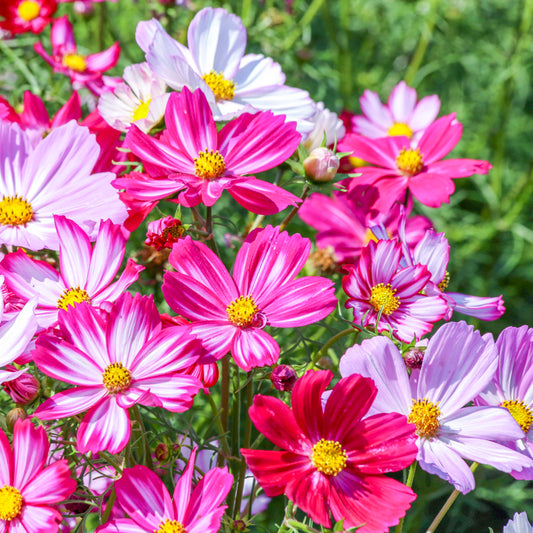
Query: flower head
pixel 21 16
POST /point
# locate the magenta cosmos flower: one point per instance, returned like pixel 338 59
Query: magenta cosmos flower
pixel 229 313
pixel 331 459
pixel 379 284
pixel 20 16
pixel 86 273
pixel 397 167
pixel 29 490
pixel 458 364
pixel 192 155
pixel 113 368
pixel 147 502
pixel 50 179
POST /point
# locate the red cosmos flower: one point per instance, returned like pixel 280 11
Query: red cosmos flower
pixel 331 459
pixel 21 16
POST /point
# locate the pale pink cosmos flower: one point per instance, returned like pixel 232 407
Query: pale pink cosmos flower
pixel 147 502
pixel 50 179
pixel 402 115
pixel 458 364
pixel 326 125
pixel 87 272
pixel 193 158
pixel 379 285
pixel 518 524
pixel 29 489
pixel 116 362
pixel 215 63
pixel 229 312
pixel 395 167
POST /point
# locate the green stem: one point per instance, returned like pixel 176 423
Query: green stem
pixel 447 505
pixel 109 506
pixel 224 400
pixel 331 342
pixel 209 229
pixel 226 452
pixel 147 456
pixel 291 215
pixel 289 513
pixel 25 71
pixel 409 483
pixel 246 12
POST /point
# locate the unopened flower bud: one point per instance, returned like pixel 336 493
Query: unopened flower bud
pixel 163 233
pixel 161 452
pixel 23 389
pixel 321 165
pixel 283 378
pixel 413 358
pixel 18 413
pixel 240 525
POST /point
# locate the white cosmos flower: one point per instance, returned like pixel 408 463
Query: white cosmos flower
pixel 324 122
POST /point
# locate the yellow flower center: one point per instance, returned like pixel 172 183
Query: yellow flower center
pixel 116 378
pixel 170 526
pixel 75 62
pixel 71 297
pixel 209 165
pixel 399 128
pixel 443 285
pixel 222 88
pixel 10 503
pixel 29 10
pixel 175 231
pixel 328 457
pixel 242 311
pixel 425 416
pixel 409 162
pixel 15 211
pixel 383 297
pixel 521 413
pixel 142 110
pixel 369 236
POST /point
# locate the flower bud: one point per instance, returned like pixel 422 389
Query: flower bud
pixel 283 378
pixel 162 453
pixel 18 413
pixel 413 358
pixel 321 165
pixel 23 389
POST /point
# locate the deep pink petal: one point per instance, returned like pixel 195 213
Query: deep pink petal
pixel 176 393
pixel 431 189
pixel 182 491
pixel 36 518
pixel 52 485
pixel 30 451
pixel 105 60
pixel 253 347
pixel 440 138
pixel 70 402
pixel 113 291
pixel 6 460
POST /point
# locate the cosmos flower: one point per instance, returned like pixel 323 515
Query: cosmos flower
pixel 458 364
pixel 325 123
pixel 112 369
pixel 331 459
pixel 29 489
pixel 518 524
pixel 21 16
pixel 229 312
pixel 192 157
pixel 164 232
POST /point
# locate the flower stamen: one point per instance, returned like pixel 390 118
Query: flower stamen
pixel 141 111
pixel 71 297
pixel 75 62
pixel 242 311
pixel 425 416
pixel 222 88
pixel 409 162
pixel 399 128
pixel 15 211
pixel 116 378
pixel 10 503
pixel 382 296
pixel 328 457
pixel 29 10
pixel 520 412
pixel 209 165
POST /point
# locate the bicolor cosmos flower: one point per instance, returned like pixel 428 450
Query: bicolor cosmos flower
pixel 139 99
pixel 29 490
pixel 512 387
pixel 113 369
pixel 192 157
pixel 21 16
pixel 147 502
pixel 518 524
pixel 67 60
pixel 402 115
pixel 379 285
pixel 215 63
pixel 228 313
pixel 52 179
pixel 458 364
pixel 397 167
pixel 86 275
pixel 332 460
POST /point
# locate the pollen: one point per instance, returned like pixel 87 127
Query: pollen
pixel 15 211
pixel 72 297
pixel 443 285
pixel 399 128
pixel 222 88
pixel 29 10
pixel 521 413
pixel 328 457
pixel 409 162
pixel 75 62
pixel 209 165
pixel 10 503
pixel 383 297
pixel 116 378
pixel 170 526
pixel 175 231
pixel 141 110
pixel 425 416
pixel 241 312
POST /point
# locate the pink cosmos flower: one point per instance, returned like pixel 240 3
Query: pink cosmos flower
pixel 228 313
pixel 21 16
pixel 378 284
pixel 332 460
pixel 402 115
pixel 112 369
pixel 86 272
pixel 458 364
pixel 193 156
pixel 147 502
pixel 52 179
pixel 29 489
pixel 397 167
pixel 66 59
